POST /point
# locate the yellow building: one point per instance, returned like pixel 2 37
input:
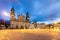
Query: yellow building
pixel 57 25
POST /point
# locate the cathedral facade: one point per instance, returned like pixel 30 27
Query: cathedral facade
pixel 21 22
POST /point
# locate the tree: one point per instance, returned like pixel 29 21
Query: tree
pixel 35 23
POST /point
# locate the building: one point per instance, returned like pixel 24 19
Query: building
pixel 32 26
pixel 49 26
pixel 21 22
pixel 57 25
pixel 41 25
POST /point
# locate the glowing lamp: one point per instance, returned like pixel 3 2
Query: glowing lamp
pixel 5 13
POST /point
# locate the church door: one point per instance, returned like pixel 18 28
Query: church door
pixel 17 27
pixel 22 27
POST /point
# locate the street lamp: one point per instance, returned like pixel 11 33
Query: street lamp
pixel 5 14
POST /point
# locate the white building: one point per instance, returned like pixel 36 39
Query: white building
pixel 40 25
pixel 31 26
pixel 21 22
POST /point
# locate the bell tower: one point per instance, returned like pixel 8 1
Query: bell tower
pixel 12 14
pixel 27 17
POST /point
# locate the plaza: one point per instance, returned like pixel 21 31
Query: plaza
pixel 30 34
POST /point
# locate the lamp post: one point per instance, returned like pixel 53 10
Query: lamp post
pixel 5 14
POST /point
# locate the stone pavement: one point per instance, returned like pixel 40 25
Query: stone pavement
pixel 31 35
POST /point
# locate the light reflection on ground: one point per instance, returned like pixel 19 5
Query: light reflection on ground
pixel 30 34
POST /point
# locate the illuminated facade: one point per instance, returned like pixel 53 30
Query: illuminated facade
pixel 41 25
pixel 57 25
pixel 21 22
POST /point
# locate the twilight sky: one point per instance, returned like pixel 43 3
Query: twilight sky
pixel 47 11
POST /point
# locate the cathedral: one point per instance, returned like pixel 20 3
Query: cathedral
pixel 21 22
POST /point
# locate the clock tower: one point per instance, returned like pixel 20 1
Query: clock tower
pixel 12 14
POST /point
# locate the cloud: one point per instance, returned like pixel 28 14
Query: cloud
pixel 7 5
pixel 51 21
pixel 37 7
pixel 32 18
pixel 52 7
pixel 49 10
pixel 53 10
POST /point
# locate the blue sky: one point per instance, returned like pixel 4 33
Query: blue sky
pixel 47 11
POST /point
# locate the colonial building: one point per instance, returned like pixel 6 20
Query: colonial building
pixel 56 25
pixel 41 25
pixel 21 22
pixel 49 26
